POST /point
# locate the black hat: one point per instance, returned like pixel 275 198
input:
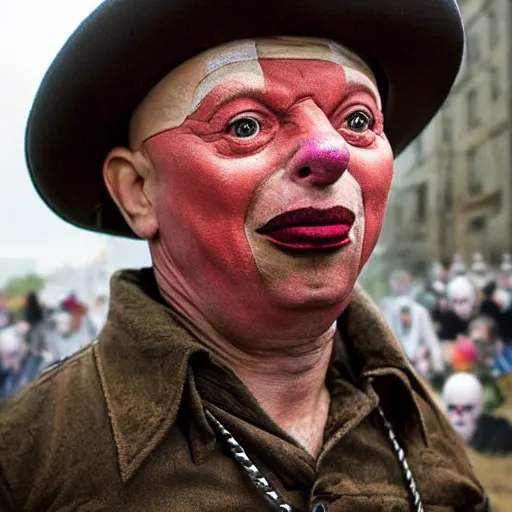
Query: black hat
pixel 125 47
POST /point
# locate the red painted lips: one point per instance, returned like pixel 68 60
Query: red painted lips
pixel 310 228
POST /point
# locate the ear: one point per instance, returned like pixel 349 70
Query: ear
pixel 127 176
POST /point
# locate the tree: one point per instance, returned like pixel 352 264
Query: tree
pixel 21 286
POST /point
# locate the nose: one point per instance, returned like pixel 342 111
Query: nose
pixel 320 162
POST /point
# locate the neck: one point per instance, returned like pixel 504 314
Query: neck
pixel 290 386
pixel 285 375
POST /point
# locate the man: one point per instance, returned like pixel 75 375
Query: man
pixel 258 169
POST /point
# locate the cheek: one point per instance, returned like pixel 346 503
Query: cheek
pixel 373 169
pixel 200 195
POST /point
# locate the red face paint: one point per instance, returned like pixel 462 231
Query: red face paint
pixel 300 162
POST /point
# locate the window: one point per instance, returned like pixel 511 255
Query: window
pixel 471 99
pixel 495 84
pixel 477 225
pixel 494 35
pixel 421 203
pixel 474 181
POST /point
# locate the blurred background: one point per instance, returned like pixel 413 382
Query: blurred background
pixel 441 273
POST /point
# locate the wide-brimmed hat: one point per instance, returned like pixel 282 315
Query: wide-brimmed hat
pixel 125 47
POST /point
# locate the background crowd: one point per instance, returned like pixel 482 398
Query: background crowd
pixel 35 336
pixel 456 329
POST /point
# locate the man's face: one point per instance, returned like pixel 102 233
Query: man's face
pixel 272 189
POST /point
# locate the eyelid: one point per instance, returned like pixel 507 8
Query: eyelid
pixel 360 108
pixel 244 115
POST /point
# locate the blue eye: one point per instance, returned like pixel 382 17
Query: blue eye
pixel 359 122
pixel 245 128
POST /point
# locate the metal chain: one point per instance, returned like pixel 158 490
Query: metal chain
pixel 257 479
pixel 260 482
pixel 411 483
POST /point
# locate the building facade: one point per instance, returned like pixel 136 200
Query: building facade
pixel 452 189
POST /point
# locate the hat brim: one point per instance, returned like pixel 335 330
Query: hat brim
pixel 84 104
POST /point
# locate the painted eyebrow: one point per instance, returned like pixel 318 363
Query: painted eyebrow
pixel 362 83
pixel 226 93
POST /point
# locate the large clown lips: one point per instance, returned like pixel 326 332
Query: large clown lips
pixel 310 228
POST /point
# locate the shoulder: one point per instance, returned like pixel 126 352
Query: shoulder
pixel 42 428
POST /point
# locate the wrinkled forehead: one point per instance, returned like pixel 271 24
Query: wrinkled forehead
pixel 181 92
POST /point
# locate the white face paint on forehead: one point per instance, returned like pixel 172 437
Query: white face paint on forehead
pixel 180 93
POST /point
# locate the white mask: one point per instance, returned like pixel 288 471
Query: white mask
pixel 461 296
pixel 463 399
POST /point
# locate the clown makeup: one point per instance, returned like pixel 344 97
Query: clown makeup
pixel 273 173
pixel 462 297
pixel 463 399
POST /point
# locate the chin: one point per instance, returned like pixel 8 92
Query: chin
pixel 313 297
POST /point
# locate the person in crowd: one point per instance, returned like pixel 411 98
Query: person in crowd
pixel 463 398
pixel 34 316
pixel 503 298
pixel 246 370
pixel 441 313
pixel 412 325
pixel 492 358
pixel 461 297
pixel 435 288
pixel 488 306
pixel 73 329
pixel 20 364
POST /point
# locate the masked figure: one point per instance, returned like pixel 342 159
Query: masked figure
pixel 244 370
pixel 461 297
pixel 463 398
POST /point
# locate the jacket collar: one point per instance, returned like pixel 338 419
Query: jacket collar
pixel 145 355
pixel 143 358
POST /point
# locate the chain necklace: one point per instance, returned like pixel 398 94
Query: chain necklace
pixel 273 497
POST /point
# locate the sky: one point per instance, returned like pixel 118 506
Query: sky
pixel 31 34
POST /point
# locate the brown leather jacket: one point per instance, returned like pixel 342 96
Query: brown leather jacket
pixel 121 426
